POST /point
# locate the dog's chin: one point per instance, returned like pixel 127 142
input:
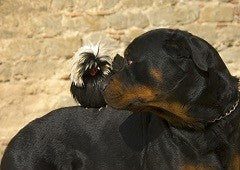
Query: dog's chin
pixel 115 102
pixel 133 107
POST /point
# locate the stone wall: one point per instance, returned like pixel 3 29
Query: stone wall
pixel 38 38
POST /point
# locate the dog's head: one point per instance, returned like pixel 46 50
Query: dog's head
pixel 92 67
pixel 175 74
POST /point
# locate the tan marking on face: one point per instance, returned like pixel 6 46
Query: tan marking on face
pixel 142 92
pixel 157 75
pixel 116 85
pixel 120 96
pixel 236 162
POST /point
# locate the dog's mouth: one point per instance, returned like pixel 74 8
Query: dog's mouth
pixel 131 98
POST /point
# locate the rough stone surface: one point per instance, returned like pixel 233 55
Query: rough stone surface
pixel 171 15
pixel 136 3
pixel 137 19
pixel 18 48
pixel 38 39
pixel 117 21
pixel 84 5
pixel 44 23
pixel 84 23
pixel 231 58
pixel 205 31
pixel 107 4
pixel 227 36
pixel 163 2
pixel 5 72
pixel 215 12
pixel 61 46
pixel 62 4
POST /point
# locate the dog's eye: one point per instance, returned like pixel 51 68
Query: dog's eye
pixel 129 62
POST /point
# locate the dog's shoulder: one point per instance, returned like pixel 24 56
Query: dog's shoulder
pixel 74 117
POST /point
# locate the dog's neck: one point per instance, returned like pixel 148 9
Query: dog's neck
pixel 218 137
pixel 230 120
pixel 220 133
pixel 202 116
pixel 229 110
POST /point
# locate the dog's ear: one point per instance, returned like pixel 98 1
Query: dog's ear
pixel 200 52
pixel 118 63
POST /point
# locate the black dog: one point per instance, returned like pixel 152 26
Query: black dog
pixel 183 80
pixel 79 138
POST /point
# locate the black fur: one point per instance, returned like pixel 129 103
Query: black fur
pixel 78 138
pixel 89 95
pixel 187 84
pixel 72 138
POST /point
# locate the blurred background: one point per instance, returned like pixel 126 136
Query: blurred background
pixel 39 37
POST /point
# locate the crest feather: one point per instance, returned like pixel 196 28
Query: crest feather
pixel 99 51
